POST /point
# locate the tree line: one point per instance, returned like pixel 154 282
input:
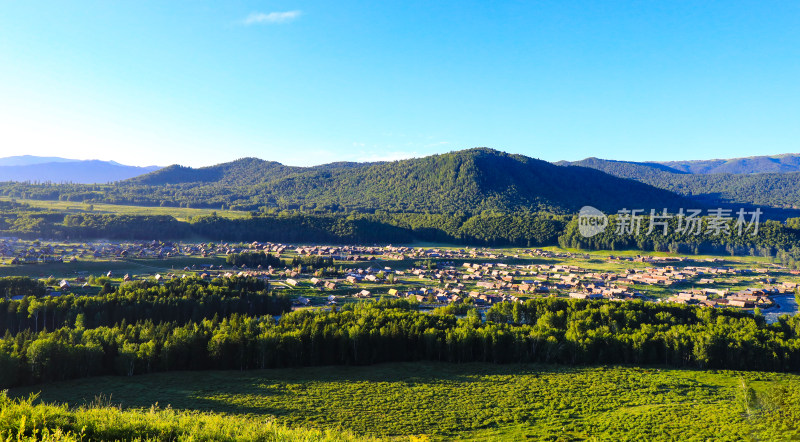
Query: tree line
pixel 490 228
pixel 253 260
pixel 772 237
pixel 544 330
pixel 524 229
pixel 177 301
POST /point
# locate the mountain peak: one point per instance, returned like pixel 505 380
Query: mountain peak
pixel 468 180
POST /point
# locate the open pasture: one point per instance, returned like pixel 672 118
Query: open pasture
pixel 476 401
pixel 180 213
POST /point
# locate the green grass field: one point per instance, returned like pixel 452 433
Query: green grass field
pixel 180 213
pixel 476 401
pixel 23 421
pixel 99 267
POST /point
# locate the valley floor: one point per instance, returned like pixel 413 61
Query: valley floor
pixel 474 401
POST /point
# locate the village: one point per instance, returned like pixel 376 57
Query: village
pixel 433 276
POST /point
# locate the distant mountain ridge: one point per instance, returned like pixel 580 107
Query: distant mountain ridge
pixel 63 170
pixel 784 163
pixel 470 181
pixel 789 162
pixel 769 189
pixel 26 160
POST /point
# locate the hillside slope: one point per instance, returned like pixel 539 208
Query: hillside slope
pixel 780 190
pixel 242 172
pixel 469 180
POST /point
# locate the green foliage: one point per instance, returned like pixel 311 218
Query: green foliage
pixel 549 330
pixel 522 229
pixel 22 420
pixel 123 226
pixel 176 301
pixel 480 401
pixel 253 259
pixel 312 262
pixel 12 286
pixel 772 239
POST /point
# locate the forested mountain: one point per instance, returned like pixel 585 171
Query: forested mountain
pixel 471 181
pixel 242 172
pixel 761 189
pixel 62 170
pixel 789 162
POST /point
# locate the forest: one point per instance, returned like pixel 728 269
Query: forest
pixel 491 228
pixel 772 236
pixel 223 325
pixel 178 301
pixel 488 229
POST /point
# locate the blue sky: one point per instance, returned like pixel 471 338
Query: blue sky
pixel 305 82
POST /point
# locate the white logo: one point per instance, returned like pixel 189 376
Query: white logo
pixel 591 221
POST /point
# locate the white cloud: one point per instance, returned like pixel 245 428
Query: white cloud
pixel 271 17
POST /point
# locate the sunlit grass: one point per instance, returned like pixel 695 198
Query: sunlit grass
pixel 22 420
pixel 472 401
pixel 180 213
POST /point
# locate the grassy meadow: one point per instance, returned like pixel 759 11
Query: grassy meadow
pixel 22 421
pixel 180 213
pixel 97 267
pixel 473 401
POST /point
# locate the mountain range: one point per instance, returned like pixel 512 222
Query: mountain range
pixel 784 163
pixel 789 162
pixel 757 184
pixel 470 181
pixel 65 170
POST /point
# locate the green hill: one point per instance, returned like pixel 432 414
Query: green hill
pixel 469 181
pixel 244 171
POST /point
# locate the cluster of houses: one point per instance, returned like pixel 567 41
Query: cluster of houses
pixel 487 277
pixel 747 298
pixel 15 251
pixel 488 283
pixel 362 253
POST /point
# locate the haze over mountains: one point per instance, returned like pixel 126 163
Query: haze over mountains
pixel 65 170
pixel 789 162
